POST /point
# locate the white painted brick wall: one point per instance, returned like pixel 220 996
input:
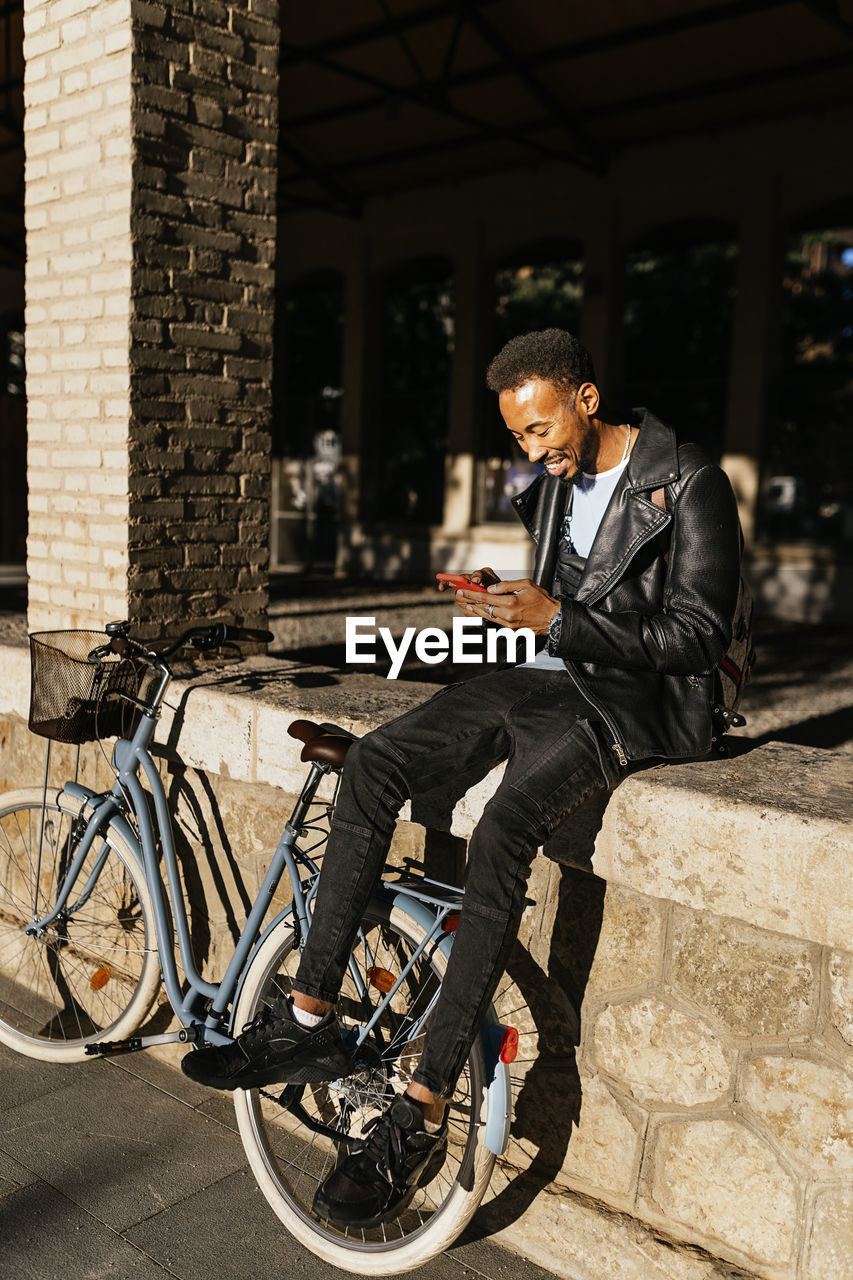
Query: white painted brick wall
pixel 78 201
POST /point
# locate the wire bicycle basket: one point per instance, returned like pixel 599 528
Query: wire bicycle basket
pixel 73 700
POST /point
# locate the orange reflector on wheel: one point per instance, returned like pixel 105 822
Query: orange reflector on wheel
pixel 381 979
pixel 100 978
pixel 509 1045
pixel 451 922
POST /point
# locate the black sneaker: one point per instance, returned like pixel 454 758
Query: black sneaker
pixel 380 1176
pixel 273 1049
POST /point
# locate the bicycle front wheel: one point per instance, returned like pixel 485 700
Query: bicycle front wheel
pixel 294 1136
pixel 94 973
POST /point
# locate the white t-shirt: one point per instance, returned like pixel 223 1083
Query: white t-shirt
pixel 589 503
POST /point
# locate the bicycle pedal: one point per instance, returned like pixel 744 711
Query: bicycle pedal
pixel 111 1048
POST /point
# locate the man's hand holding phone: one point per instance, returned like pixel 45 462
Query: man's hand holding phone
pixel 514 604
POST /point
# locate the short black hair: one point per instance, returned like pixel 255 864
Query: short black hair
pixel 552 355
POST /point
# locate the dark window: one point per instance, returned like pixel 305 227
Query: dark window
pixel 679 296
pixel 307 424
pixel 539 287
pixel 807 484
pixel 414 391
pixel 309 380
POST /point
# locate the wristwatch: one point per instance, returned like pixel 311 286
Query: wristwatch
pixel 554 628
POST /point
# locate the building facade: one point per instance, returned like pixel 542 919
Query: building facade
pixel 269 253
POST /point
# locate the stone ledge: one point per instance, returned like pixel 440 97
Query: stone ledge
pixel 762 838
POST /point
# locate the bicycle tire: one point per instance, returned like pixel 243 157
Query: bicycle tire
pixel 93 976
pixel 289 1161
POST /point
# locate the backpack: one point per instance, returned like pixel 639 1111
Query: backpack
pixel 734 668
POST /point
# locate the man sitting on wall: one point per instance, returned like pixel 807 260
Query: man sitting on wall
pixel 634 596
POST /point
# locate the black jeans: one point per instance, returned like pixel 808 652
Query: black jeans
pixel 557 754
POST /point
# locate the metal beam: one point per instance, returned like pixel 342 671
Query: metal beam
pixel 427 149
pixel 820 66
pixel 828 11
pixel 292 55
pixel 400 34
pixel 345 200
pixel 573 49
pixel 433 100
pixel 592 155
pixel 715 88
pixel 306 202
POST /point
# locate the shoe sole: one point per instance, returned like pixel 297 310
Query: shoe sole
pixel 325 1211
pixel 328 1214
pixel 272 1075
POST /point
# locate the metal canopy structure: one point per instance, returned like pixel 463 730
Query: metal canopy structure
pixel 382 95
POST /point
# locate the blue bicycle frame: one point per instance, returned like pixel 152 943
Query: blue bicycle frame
pixel 204 1009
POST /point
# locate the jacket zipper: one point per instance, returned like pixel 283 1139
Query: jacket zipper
pixel 606 717
pixel 602 591
pixel 617 746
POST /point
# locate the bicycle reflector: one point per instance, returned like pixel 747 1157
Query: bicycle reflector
pixel 508 1051
pixel 381 979
pixel 100 978
pixel 450 923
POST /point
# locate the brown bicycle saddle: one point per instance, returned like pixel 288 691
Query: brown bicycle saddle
pixel 320 743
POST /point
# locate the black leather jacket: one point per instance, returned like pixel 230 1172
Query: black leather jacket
pixel 653 612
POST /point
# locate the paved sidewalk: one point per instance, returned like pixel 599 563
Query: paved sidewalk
pixel 127 1170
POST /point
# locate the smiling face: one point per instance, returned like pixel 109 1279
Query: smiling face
pixel 555 428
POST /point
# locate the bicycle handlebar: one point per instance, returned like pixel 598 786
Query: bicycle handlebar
pixel 210 636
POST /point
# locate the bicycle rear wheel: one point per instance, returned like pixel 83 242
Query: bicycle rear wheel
pixel 94 974
pixel 294 1136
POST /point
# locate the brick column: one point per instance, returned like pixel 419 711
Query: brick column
pixel 151 164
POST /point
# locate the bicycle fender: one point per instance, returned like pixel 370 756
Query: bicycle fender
pixel 499 1114
pixel 499 1111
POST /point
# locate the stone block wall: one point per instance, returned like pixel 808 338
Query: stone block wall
pixel 710 1095
pixel 150 137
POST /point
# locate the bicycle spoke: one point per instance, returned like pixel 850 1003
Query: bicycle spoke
pixel 85 970
pixel 387 1059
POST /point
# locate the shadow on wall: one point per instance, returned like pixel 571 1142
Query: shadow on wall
pixel 547 1093
pixel 216 893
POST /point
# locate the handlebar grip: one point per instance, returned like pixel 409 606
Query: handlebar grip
pixel 246 634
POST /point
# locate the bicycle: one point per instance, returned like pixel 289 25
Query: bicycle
pixel 87 934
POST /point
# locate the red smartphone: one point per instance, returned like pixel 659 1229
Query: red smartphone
pixel 460 581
